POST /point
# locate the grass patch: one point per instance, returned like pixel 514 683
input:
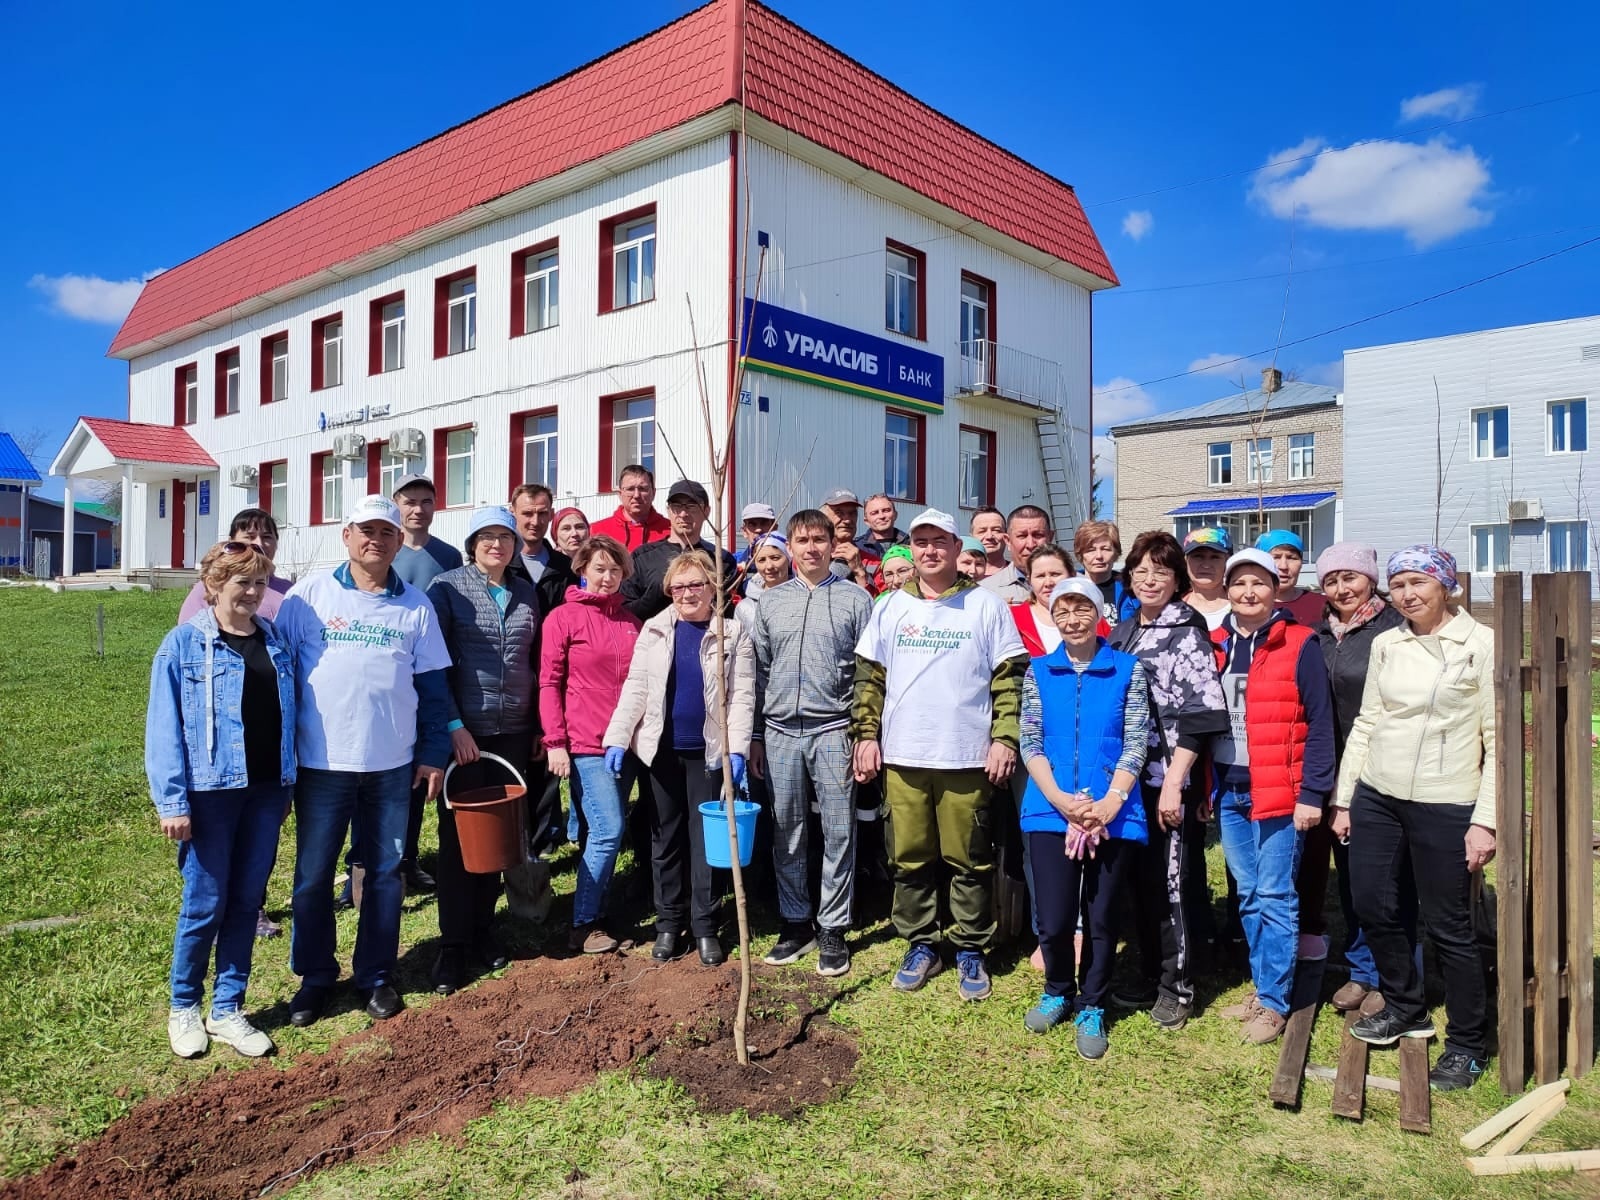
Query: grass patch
pixel 949 1098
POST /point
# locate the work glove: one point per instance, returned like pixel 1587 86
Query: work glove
pixel 736 769
pixel 614 759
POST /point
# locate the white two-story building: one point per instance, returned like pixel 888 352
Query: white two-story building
pixel 727 216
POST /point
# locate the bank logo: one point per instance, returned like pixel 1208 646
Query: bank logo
pixel 769 336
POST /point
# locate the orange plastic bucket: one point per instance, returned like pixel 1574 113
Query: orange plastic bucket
pixel 491 822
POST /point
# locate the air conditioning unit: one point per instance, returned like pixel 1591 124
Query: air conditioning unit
pixel 349 446
pixel 407 443
pixel 243 476
pixel 1525 510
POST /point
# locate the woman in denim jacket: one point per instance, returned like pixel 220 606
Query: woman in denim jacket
pixel 219 755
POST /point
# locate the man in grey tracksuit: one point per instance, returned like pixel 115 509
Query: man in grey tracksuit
pixel 805 635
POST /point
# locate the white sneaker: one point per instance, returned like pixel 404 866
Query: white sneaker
pixel 186 1033
pixel 233 1030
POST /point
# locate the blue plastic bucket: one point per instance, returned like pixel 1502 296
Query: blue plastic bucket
pixel 714 819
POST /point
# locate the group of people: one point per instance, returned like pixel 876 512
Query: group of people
pixel 978 688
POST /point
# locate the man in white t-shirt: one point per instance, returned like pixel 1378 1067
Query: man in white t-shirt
pixel 370 667
pixel 938 698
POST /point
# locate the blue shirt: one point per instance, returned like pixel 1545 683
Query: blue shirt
pixel 418 567
pixel 688 687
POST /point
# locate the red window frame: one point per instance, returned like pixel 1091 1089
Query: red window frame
pixel 920 424
pixel 608 481
pixel 375 331
pixel 264 487
pixel 987 500
pixel 219 382
pixel 994 320
pixel 318 517
pixel 318 328
pixel 921 259
pixel 267 343
pixel 180 380
pixel 608 241
pixel 517 441
pixel 374 459
pixel 441 310
pixel 441 435
pixel 519 280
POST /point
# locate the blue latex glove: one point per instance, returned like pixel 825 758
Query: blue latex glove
pixel 736 767
pixel 614 759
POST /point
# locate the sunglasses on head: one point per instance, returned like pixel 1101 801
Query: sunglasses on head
pixel 239 547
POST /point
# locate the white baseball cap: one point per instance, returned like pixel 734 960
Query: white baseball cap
pixel 1251 557
pixel 374 508
pixel 758 512
pixel 1076 585
pixel 939 520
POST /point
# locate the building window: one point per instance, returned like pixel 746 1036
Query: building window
pixel 455 313
pixel 1491 548
pixel 1219 463
pixel 1491 433
pixel 536 289
pixel 327 352
pixel 1298 521
pixel 1567 545
pixel 186 395
pixel 327 489
pixel 630 438
pixel 539 447
pixel 902 455
pixel 1302 455
pixel 902 289
pixel 452 462
pixel 275 368
pixel 976 449
pixel 386 334
pixel 387 468
pixel 1251 526
pixel 226 397
pixel 1258 460
pixel 1568 422
pixel 274 484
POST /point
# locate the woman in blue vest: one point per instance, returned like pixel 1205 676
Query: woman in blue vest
pixel 1085 731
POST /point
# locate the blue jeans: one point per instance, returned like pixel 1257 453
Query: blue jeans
pixel 1264 856
pixel 233 842
pixel 324 803
pixel 596 791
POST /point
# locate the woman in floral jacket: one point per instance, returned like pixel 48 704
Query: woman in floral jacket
pixel 1172 641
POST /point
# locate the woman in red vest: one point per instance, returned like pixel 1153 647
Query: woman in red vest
pixel 1275 770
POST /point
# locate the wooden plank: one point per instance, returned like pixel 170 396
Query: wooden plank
pixel 1522 1133
pixel 1546 890
pixel 1324 1074
pixel 1511 1114
pixel 1511 858
pixel 1416 1101
pixel 1513 1164
pixel 1350 1085
pixel 1285 1089
pixel 1578 815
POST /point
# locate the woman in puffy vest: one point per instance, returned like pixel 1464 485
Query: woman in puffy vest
pixel 1275 771
pixel 1085 732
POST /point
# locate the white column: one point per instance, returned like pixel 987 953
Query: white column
pixel 127 518
pixel 67 530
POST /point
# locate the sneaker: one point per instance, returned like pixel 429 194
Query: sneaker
pixel 920 964
pixel 833 956
pixel 186 1033
pixel 1090 1026
pixel 1265 1026
pixel 232 1029
pixel 266 927
pixel 1046 1015
pixel 1454 1071
pixel 1384 1028
pixel 1139 996
pixel 795 939
pixel 1170 1013
pixel 1349 997
pixel 974 983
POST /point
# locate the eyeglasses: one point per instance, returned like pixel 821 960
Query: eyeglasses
pixel 1153 575
pixel 687 589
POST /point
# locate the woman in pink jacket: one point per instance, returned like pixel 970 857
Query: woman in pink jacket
pixel 588 644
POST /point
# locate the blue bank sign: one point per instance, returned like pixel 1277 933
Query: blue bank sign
pixel 795 346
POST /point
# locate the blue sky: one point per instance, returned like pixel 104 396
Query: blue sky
pixel 143 134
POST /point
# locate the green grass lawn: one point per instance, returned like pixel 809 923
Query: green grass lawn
pixel 949 1099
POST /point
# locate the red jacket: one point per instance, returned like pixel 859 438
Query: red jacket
pixel 631 535
pixel 587 647
pixel 1276 725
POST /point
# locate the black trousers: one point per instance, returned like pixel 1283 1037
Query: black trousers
pixel 1065 887
pixel 1161 892
pixel 1383 831
pixel 685 886
pixel 466 899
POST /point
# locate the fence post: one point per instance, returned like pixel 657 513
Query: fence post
pixel 1511 857
pixel 1547 891
pixel 1573 619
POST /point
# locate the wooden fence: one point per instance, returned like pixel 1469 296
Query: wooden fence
pixel 1544 832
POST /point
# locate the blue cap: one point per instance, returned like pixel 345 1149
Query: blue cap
pixel 490 515
pixel 1273 538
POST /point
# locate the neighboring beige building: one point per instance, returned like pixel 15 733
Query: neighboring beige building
pixel 1265 459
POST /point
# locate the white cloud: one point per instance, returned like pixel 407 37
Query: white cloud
pixel 1120 400
pixel 1455 103
pixel 1105 470
pixel 90 298
pixel 1428 191
pixel 1231 365
pixel 1329 374
pixel 1138 223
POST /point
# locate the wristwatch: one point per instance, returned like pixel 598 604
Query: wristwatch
pixel 1118 792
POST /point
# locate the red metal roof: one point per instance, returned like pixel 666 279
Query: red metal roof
pixel 681 71
pixel 138 442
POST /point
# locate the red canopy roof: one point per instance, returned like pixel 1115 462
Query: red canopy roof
pixel 681 71
pixel 138 442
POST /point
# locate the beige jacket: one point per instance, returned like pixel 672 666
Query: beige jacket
pixel 641 709
pixel 1426 728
